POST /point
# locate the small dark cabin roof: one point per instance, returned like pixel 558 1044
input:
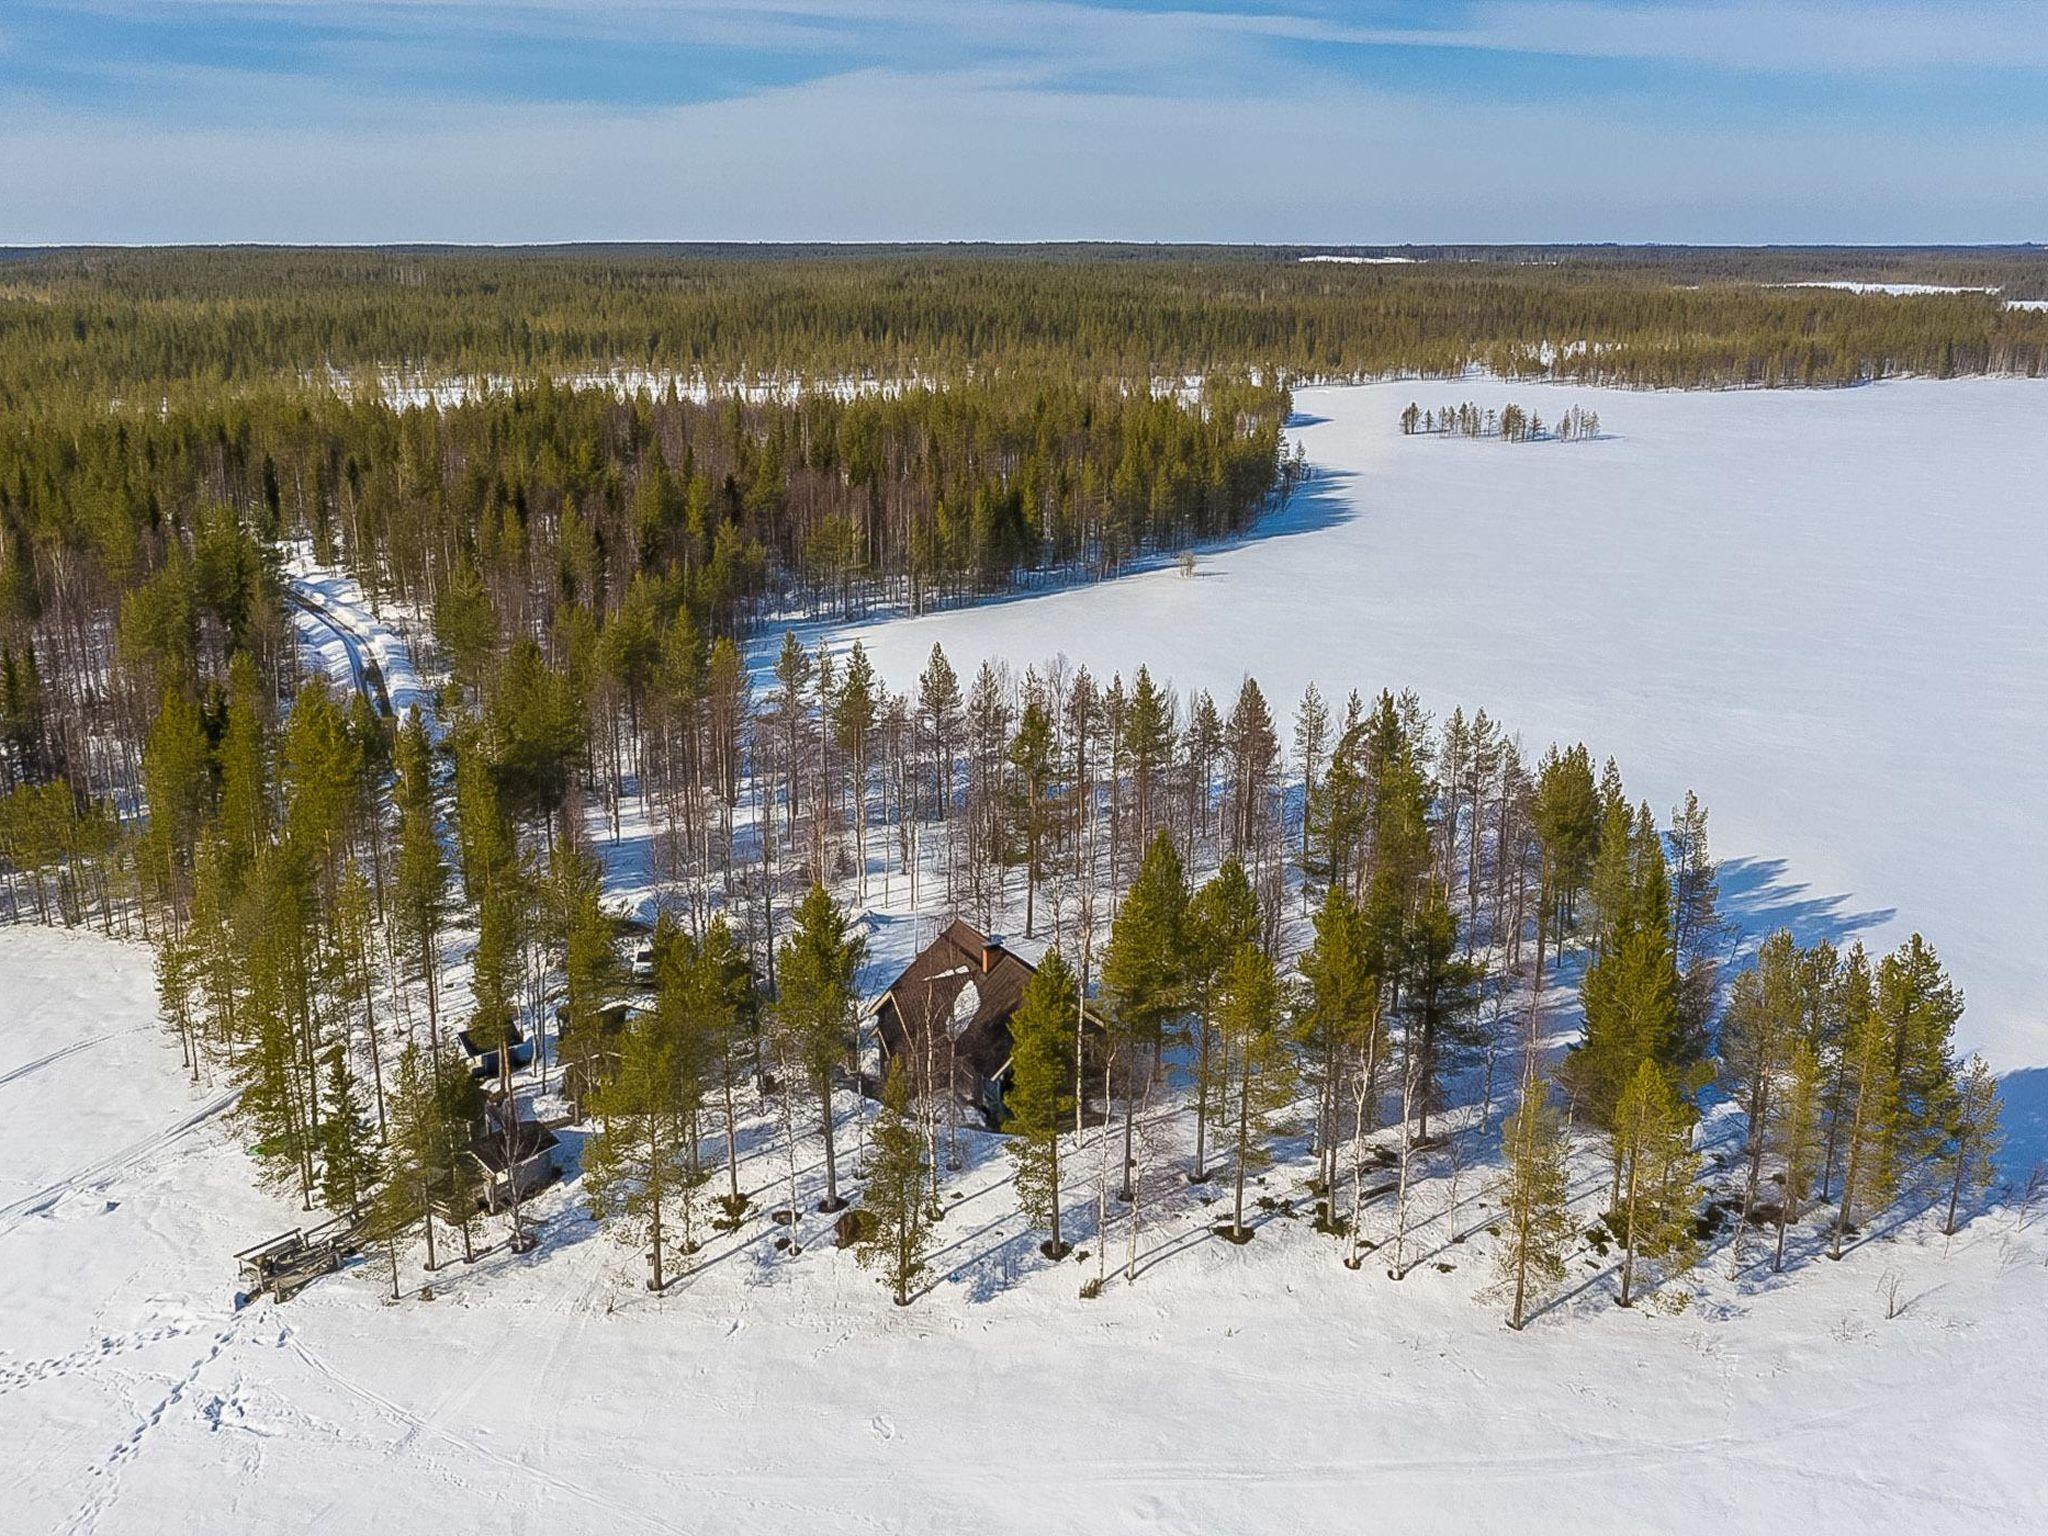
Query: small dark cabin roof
pixel 529 1137
pixel 472 1046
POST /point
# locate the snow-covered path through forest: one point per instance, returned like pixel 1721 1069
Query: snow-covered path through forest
pixel 1821 609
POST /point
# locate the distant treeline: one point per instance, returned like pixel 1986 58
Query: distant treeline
pixel 101 324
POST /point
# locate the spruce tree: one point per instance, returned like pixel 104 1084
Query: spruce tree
pixel 349 1162
pixel 177 785
pixel 1040 1103
pixel 1697 928
pixel 244 822
pixel 895 1234
pixel 1439 998
pixel 854 708
pixel 420 902
pixel 1032 758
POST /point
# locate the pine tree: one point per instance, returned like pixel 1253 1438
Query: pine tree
pixel 895 1235
pixel 1870 1111
pixel 1759 1036
pixel 815 971
pixel 1032 758
pixel 1918 1007
pixel 1532 1193
pixel 1652 1141
pixel 1222 916
pixel 1040 1102
pixel 1630 991
pixel 716 992
pixel 590 967
pixel 641 1163
pixel 1258 1077
pixel 1972 1137
pixel 1338 1022
pixel 420 901
pixel 1793 1133
pixel 418 1165
pixel 1144 977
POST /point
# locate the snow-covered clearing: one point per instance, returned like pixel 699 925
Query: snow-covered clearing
pixel 1229 1389
pixel 1895 290
pixel 1820 609
pixel 412 390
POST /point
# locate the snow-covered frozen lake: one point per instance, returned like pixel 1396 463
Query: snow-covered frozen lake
pixel 1823 610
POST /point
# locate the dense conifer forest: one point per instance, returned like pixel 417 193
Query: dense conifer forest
pixel 115 323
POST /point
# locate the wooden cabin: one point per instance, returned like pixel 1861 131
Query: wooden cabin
pixel 522 1159
pixel 949 1012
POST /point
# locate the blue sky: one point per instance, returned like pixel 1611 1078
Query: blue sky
pixel 1279 120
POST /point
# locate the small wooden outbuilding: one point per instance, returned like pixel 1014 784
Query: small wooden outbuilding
pixel 520 1158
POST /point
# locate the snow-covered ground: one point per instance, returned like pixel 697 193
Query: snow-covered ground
pixel 1818 609
pixel 1228 1389
pixel 1821 609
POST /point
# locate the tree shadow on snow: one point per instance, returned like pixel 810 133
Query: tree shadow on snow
pixel 1760 897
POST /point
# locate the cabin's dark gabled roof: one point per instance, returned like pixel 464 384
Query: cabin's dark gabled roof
pixel 530 1139
pixel 931 984
pixel 472 1046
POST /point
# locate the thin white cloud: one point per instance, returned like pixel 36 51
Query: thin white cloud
pixel 881 155
pixel 1761 35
